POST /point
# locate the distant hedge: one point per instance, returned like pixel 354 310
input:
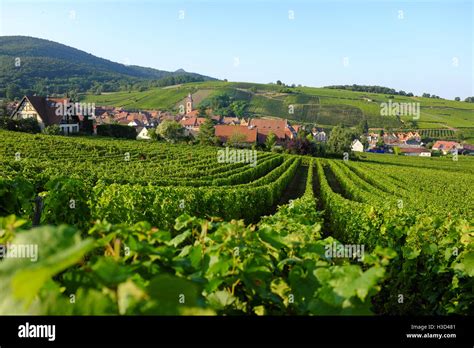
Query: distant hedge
pixel 116 131
pixel 27 125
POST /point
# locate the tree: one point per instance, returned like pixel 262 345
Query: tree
pixel 364 141
pixel 3 108
pixel 207 133
pixel 380 142
pixel 73 95
pixel 426 95
pixel 457 99
pixel 410 94
pixel 52 130
pixel 152 134
pixel 29 125
pixel 239 108
pixel 270 141
pixel 170 130
pixel 12 92
pixel 220 101
pixel 279 83
pixel 116 131
pixel 362 128
pixel 202 111
pixel 340 140
pixel 469 100
pixel 300 146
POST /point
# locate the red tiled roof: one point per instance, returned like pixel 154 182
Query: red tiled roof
pixel 224 132
pixel 445 145
pixel 263 132
pixel 188 121
pixel 193 121
pixel 268 124
pixel 264 127
pixel 200 120
pixel 193 113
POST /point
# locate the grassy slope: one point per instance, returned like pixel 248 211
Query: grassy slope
pixel 314 105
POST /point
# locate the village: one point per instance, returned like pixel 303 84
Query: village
pixel 245 131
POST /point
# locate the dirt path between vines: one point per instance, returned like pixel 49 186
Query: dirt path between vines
pixel 333 182
pixel 296 187
pixel 327 229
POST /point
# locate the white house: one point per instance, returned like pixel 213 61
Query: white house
pixel 357 146
pixel 142 133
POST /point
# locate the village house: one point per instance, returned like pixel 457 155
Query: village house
pixel 244 122
pixel 372 139
pixel 400 139
pixel 49 111
pixel 192 124
pixel 233 121
pixel 467 149
pixel 291 131
pixel 390 139
pixel 319 135
pixel 357 146
pixel 415 151
pixel 267 126
pixel 446 146
pixel 142 133
pixel 216 118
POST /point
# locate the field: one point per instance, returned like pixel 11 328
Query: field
pixel 324 106
pixel 132 228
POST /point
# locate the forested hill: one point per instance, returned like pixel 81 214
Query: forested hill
pixel 31 65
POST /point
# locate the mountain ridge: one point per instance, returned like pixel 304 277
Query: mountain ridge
pixel 29 62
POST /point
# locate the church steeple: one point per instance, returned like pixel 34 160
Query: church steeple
pixel 189 104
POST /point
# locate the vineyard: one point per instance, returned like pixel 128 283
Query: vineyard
pixel 130 228
pixel 436 133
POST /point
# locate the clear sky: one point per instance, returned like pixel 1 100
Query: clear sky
pixel 415 45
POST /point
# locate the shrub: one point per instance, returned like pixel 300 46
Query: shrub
pixel 53 130
pixel 27 125
pixel 116 131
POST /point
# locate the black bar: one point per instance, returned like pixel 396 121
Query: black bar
pixel 136 331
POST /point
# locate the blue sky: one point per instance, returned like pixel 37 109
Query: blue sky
pixel 428 47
